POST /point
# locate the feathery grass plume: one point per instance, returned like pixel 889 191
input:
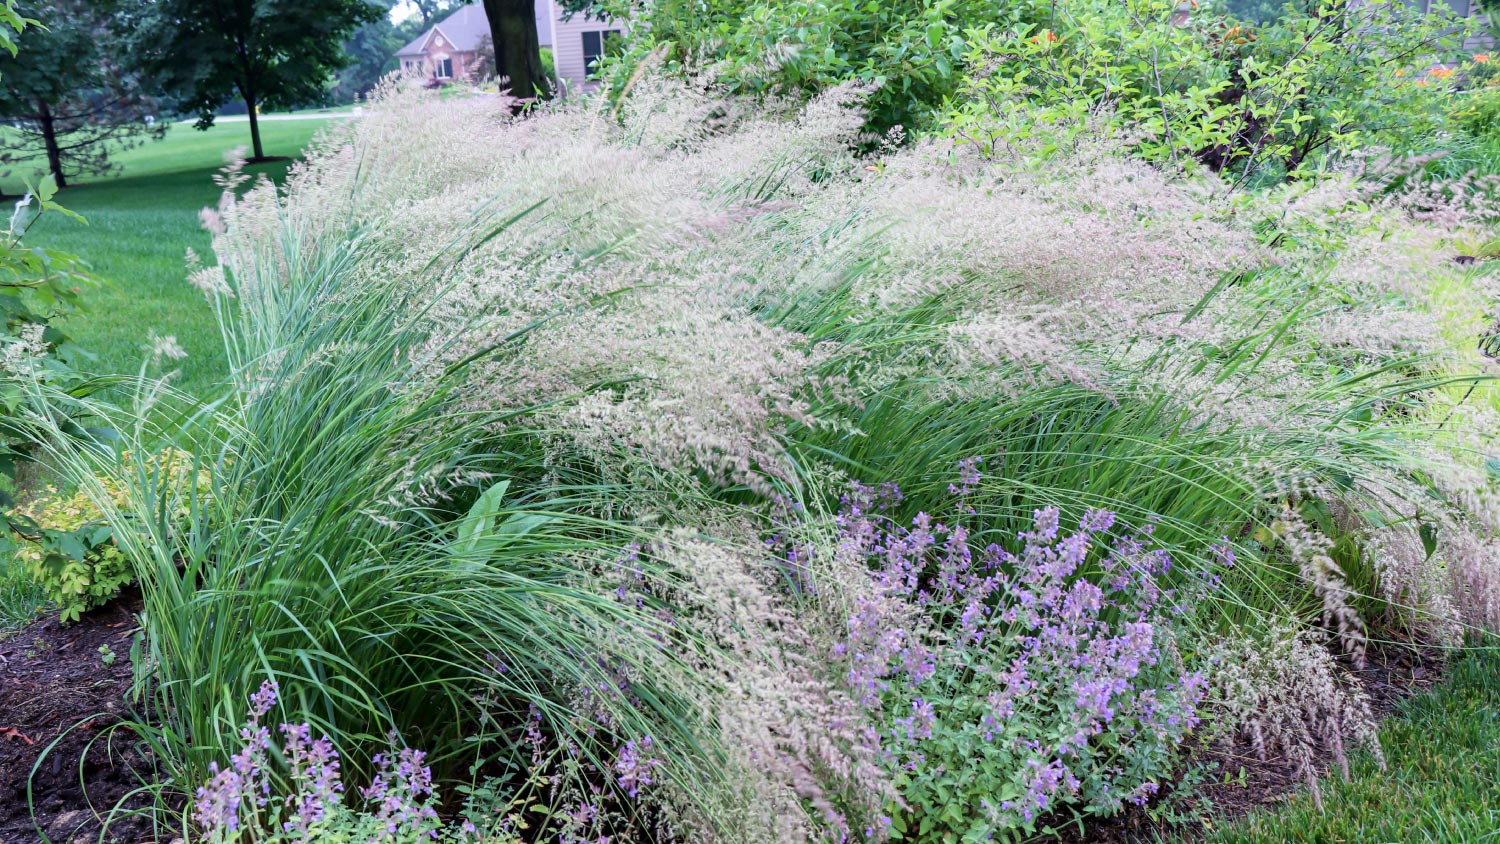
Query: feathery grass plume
pixel 1284 692
pixel 805 764
pixel 1311 551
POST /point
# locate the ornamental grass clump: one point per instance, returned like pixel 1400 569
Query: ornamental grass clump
pixel 518 402
pixel 393 561
pixel 704 305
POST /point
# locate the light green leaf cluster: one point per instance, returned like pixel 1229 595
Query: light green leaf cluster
pixel 1185 85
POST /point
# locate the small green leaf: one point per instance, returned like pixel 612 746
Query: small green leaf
pixel 1429 534
pixel 480 518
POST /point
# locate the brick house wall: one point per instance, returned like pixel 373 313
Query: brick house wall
pixel 441 59
pixel 453 54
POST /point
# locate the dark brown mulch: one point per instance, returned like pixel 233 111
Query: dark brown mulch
pixel 53 682
pixel 1239 782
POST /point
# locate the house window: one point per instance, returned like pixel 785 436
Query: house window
pixel 594 45
pixel 443 68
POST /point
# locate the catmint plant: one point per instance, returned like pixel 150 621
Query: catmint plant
pixel 1016 688
pixel 308 800
pixel 239 803
pixel 636 765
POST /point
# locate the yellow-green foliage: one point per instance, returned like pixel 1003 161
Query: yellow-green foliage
pixel 83 567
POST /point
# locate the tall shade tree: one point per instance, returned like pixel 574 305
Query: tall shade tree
pixel 431 10
pixel 518 47
pixel 372 54
pixel 276 53
pixel 68 100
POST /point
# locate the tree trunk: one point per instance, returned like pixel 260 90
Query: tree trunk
pixel 54 152
pixel 251 104
pixel 518 49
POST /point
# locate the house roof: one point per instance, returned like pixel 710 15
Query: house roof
pixel 464 29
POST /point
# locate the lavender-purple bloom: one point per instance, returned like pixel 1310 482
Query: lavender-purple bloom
pixel 636 765
pixel 1051 649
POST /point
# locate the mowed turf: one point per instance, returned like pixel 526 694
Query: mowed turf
pixel 141 221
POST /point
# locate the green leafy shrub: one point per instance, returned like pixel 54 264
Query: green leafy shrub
pixel 911 50
pixel 38 286
pixel 79 570
pixel 74 557
pixel 1323 80
pixel 1273 97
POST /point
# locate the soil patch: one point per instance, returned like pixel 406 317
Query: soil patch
pixel 56 687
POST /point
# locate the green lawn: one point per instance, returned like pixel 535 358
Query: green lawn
pixel 140 224
pixel 1441 786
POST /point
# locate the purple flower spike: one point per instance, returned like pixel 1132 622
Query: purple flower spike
pixel 264 700
pixel 636 765
pixel 1096 521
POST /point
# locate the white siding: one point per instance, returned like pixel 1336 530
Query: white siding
pixel 545 20
pixel 567 45
pixel 1481 40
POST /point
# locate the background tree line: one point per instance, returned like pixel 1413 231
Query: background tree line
pixel 97 76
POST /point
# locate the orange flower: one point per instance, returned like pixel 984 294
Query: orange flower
pixel 1400 72
pixel 1481 58
pixel 1422 83
pixel 1440 72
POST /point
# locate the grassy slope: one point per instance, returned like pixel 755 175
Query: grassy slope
pixel 140 224
pixel 1441 785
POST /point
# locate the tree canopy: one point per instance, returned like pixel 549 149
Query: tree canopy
pixel 70 100
pixel 372 54
pixel 274 53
